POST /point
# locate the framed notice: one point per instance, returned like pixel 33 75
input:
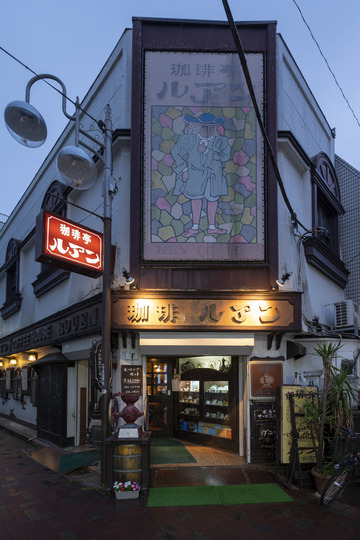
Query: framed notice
pixel 131 379
pixel 203 158
pixel 265 378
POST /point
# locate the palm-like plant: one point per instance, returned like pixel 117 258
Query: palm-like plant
pixel 334 408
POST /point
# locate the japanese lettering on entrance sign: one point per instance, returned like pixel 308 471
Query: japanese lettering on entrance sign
pixel 67 244
pixel 234 314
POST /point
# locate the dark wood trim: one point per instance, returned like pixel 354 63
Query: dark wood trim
pixel 50 277
pixel 296 145
pixel 78 321
pixel 324 260
pixel 175 35
pixel 11 306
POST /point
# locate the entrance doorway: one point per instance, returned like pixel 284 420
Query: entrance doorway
pixel 52 373
pixel 159 375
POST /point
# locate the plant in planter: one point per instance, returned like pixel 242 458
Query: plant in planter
pixel 333 409
pixel 126 490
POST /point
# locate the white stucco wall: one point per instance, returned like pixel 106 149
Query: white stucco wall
pixel 112 86
pixel 299 113
pixel 298 110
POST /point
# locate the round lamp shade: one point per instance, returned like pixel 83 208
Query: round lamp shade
pixel 76 167
pixel 25 124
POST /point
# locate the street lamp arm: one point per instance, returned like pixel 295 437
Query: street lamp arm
pixel 54 78
pixel 90 148
pixel 78 170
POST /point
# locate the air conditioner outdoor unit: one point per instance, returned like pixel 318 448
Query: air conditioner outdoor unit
pixel 347 313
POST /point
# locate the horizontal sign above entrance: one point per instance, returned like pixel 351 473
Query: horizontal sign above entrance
pixel 226 314
pixel 68 245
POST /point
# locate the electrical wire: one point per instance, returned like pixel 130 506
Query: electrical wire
pixel 53 87
pixel 271 154
pixel 327 63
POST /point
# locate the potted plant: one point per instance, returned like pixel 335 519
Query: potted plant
pixel 126 490
pixel 325 415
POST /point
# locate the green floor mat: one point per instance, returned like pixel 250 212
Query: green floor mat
pixel 75 460
pixel 225 495
pixel 165 450
pixel 165 441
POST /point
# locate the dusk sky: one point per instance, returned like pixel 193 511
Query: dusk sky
pixel 72 39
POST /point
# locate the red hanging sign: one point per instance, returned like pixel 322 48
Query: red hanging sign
pixel 68 245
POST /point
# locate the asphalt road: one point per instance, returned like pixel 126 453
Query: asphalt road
pixel 38 503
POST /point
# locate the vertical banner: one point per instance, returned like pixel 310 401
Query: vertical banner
pixel 97 365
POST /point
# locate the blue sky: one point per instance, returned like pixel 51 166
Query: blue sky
pixel 72 39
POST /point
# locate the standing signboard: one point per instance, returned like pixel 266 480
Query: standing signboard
pixel 296 395
pixel 131 380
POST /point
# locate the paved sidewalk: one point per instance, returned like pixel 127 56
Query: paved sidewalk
pixel 38 503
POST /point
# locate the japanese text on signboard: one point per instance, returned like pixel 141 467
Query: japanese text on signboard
pixel 73 243
pixel 131 379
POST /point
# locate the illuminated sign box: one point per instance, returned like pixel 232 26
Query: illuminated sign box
pixel 66 244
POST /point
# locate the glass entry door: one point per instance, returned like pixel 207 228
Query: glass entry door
pixel 158 382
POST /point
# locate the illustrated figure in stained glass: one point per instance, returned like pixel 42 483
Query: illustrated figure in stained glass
pixel 200 155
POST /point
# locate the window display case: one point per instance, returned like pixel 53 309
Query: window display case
pixel 189 399
pixel 206 404
pixel 216 400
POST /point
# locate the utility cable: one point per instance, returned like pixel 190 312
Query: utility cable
pixel 241 54
pixel 53 87
pixel 327 63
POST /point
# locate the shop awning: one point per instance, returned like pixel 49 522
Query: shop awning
pixel 189 343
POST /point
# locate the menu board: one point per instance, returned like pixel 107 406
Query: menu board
pixel 131 379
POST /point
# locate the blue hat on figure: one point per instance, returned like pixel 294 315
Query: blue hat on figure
pixel 206 119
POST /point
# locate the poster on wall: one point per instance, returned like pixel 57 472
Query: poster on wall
pixel 203 158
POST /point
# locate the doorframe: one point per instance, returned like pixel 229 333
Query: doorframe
pixel 169 396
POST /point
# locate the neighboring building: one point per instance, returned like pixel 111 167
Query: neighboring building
pixel 349 182
pixel 201 223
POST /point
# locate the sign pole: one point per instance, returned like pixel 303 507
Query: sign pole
pixel 106 300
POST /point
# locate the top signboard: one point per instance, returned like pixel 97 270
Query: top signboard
pixel 68 245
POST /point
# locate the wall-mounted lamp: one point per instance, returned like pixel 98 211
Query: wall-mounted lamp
pixel 280 282
pixel 1 364
pixel 283 278
pixel 13 362
pixel 32 357
pixel 129 279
